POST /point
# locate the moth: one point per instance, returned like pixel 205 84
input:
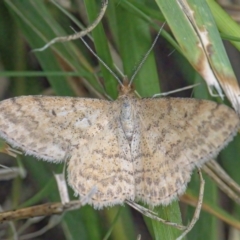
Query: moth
pixel 129 149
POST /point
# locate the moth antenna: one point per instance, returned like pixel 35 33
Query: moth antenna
pixel 101 61
pixel 146 56
pixel 119 71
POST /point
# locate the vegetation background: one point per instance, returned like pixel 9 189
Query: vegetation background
pixel 69 69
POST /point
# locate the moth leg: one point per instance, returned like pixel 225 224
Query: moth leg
pixel 186 229
pixel 153 215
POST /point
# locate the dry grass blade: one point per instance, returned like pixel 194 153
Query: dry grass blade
pixel 223 180
pixel 198 207
pixel 211 69
pixel 78 34
pixel 39 210
pixel 215 211
pixel 215 167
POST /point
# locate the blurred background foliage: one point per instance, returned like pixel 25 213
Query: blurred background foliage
pixel 69 69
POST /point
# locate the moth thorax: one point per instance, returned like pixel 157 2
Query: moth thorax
pixel 127 119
